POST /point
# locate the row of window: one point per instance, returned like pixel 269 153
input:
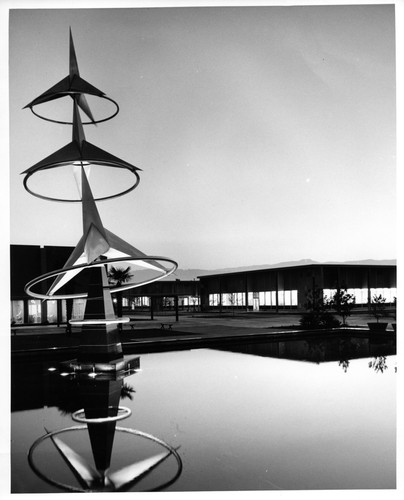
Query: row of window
pixel 135 302
pixel 255 299
pixel 289 297
pixel 285 298
pixel 18 315
pixel 361 294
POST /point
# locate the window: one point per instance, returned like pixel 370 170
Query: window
pixel 34 311
pixel 52 311
pixel 214 299
pixel 64 311
pixel 17 312
pixel 79 306
pixel 286 298
pixel 329 293
pixel 387 293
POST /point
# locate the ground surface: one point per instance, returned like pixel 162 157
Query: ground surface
pixel 197 327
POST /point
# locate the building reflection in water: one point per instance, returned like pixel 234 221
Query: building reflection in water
pixel 322 349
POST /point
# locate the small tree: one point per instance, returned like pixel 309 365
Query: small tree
pixel 118 276
pixel 378 306
pixel 232 298
pixel 378 364
pixel 343 302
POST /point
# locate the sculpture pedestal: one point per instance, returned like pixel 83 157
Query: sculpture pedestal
pixel 99 340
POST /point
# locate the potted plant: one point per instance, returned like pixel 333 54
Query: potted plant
pixel 378 305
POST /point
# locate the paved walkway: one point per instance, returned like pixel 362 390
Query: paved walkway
pixel 196 327
pixel 205 322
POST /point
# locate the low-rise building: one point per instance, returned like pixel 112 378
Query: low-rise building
pixel 271 289
pixel 280 288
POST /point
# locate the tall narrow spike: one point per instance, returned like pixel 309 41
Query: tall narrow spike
pixel 73 66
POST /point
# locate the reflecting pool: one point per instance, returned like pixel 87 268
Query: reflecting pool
pixel 314 413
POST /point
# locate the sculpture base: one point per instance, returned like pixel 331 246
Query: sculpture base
pixel 99 340
pixel 99 343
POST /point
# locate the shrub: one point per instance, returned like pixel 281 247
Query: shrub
pixel 314 320
pixel 317 315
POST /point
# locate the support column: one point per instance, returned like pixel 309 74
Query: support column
pixel 99 342
pixel 246 291
pixel 26 310
pixel 69 312
pixel 44 311
pixel 220 295
pixel 58 312
pixel 176 307
pixel 277 292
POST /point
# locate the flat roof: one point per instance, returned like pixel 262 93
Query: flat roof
pixel 300 266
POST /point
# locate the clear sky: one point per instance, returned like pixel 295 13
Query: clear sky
pixel 264 134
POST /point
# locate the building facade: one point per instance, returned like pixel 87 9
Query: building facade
pixel 287 287
pixel 271 289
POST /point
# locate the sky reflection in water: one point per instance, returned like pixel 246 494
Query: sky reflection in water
pixel 246 421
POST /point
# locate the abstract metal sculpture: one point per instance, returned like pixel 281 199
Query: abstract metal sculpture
pixel 98 246
pixel 100 366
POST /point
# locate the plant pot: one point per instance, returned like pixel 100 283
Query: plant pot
pixel 377 327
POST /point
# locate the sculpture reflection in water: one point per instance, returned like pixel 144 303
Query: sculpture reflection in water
pixel 99 369
pixel 92 396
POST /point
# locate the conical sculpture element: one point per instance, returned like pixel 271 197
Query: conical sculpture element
pixel 98 242
pixel 74 86
pixel 79 152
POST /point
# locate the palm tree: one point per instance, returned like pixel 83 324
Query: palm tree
pixel 118 276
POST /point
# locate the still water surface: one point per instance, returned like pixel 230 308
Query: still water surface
pixel 301 414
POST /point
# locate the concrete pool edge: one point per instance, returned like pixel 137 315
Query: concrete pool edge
pixel 181 340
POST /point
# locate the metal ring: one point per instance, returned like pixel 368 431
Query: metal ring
pixel 79 200
pixel 52 274
pixel 98 321
pixel 127 413
pixel 134 432
pixel 71 93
